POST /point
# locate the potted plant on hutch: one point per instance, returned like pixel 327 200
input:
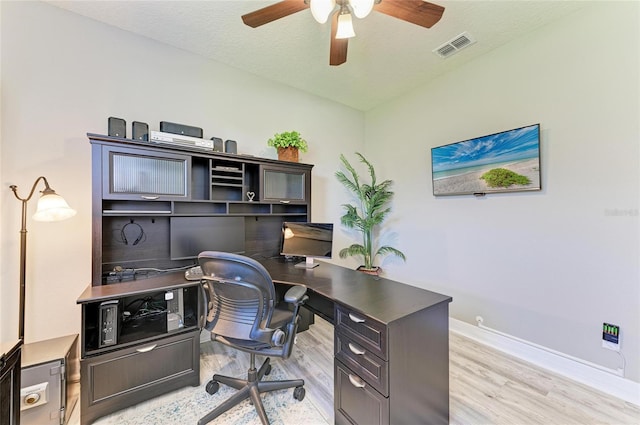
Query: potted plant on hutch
pixel 288 144
pixel 373 199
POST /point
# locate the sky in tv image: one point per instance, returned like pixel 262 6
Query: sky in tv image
pixel 514 145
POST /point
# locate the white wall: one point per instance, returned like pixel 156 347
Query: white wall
pixel 551 266
pixel 62 76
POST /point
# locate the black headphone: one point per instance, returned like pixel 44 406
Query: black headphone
pixel 124 236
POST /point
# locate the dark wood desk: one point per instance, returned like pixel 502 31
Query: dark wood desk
pixel 391 344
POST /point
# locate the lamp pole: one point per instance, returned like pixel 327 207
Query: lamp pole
pixel 23 245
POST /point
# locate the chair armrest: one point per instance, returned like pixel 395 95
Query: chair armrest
pixel 296 295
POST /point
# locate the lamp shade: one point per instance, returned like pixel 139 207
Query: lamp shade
pixel 321 9
pixel 53 207
pixel 345 26
pixel 361 8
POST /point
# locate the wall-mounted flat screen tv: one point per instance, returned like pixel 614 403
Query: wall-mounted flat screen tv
pixel 508 161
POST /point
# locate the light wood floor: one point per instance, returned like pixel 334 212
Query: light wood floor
pixel 486 386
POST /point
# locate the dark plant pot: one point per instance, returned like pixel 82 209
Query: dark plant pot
pixel 376 271
pixel 288 154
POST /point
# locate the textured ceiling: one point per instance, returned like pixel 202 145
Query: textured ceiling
pixel 387 58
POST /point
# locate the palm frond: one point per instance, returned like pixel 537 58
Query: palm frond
pixel 384 250
pixel 350 251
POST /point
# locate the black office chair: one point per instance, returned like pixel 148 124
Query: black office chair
pixel 243 313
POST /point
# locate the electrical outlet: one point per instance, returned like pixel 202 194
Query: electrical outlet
pixel 611 337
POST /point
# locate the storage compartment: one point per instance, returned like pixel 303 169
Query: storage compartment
pixel 355 401
pixel 289 209
pixel 136 318
pixel 247 208
pixel 200 208
pixel 135 207
pixel 227 180
pixel 127 240
pixel 139 174
pixel 285 184
pixel 126 377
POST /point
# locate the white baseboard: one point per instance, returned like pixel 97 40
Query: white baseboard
pixel 609 383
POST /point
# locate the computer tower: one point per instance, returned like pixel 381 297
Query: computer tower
pixel 175 309
pixel 109 320
pixel 50 378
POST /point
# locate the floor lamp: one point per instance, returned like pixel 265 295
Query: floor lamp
pixel 51 207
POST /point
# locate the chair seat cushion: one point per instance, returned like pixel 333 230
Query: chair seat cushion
pixel 281 316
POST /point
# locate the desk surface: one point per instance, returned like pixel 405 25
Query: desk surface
pixel 382 299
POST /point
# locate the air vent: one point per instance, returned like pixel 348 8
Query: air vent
pixel 454 45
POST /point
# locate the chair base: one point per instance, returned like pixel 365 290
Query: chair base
pixel 251 388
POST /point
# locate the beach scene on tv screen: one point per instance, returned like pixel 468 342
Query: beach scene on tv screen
pixel 501 162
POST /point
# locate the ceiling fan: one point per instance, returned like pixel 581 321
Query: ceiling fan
pixel 417 12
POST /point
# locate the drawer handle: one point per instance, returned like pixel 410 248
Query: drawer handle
pixel 150 198
pixel 355 381
pixel 355 318
pixel 356 350
pixel 146 349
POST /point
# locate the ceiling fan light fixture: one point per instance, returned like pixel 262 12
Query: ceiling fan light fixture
pixel 321 9
pixel 345 25
pixel 361 8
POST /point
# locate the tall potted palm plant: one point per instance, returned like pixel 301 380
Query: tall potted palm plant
pixel 371 211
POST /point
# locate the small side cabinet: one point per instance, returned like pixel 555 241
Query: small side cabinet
pixel 140 339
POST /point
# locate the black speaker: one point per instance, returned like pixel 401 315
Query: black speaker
pixel 185 130
pixel 217 144
pixel 117 127
pixel 230 146
pixel 140 131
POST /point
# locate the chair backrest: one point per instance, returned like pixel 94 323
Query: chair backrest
pixel 241 296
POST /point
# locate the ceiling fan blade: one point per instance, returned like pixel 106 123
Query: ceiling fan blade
pixel 417 12
pixel 273 12
pixel 338 49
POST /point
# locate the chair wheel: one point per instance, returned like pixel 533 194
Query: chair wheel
pixel 212 387
pixel 299 393
pixel 267 370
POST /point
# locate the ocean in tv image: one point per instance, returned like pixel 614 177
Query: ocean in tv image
pixel 508 161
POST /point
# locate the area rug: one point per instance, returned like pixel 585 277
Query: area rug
pixel 187 405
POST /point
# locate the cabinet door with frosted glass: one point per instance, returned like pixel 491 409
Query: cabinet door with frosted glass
pixel 285 184
pixel 145 175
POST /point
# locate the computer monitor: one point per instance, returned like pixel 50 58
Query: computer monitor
pixel 309 240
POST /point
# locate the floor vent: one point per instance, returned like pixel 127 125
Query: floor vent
pixel 455 44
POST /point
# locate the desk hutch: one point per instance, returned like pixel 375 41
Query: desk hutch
pixel 156 207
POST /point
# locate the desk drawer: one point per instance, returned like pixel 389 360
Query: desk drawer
pixel 366 332
pixel 122 378
pixel 367 366
pixel 355 401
